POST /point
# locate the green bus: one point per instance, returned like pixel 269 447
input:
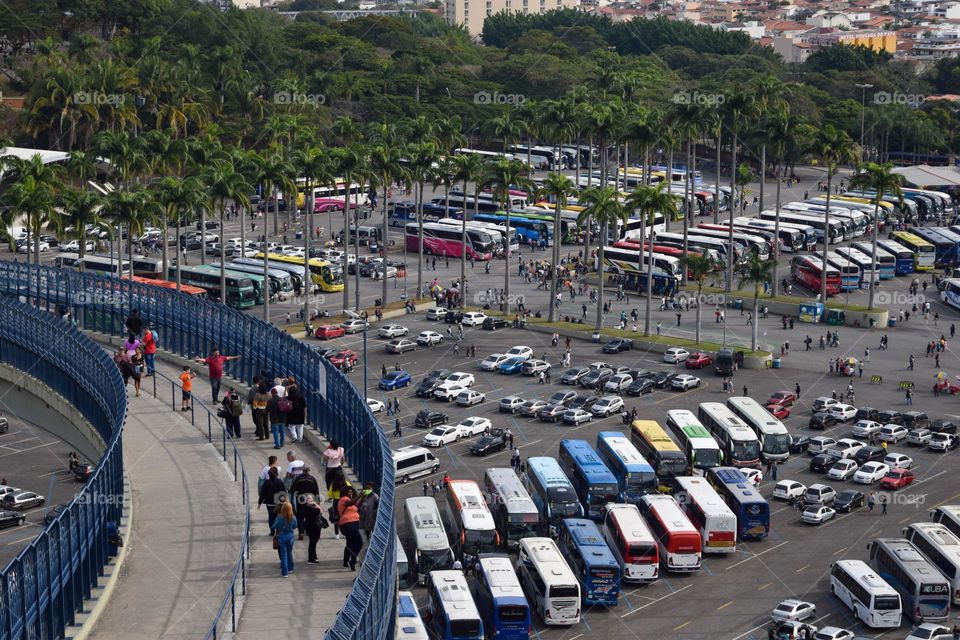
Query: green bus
pixel 241 291
pixel 568 224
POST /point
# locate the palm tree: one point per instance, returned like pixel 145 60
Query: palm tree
pixel 181 197
pixel 349 162
pixel 507 127
pixel 687 120
pixel 277 178
pixel 881 179
pixel 468 168
pixel 502 176
pixel 422 157
pixel 386 163
pixel 554 120
pixel 131 209
pixel 754 271
pixel 650 200
pixel 834 148
pixel 603 206
pixel 80 208
pixel 602 120
pixel 699 266
pixel 740 108
pixel 780 133
pixel 714 125
pixel 316 167
pixel 558 187
pixel 38 182
pixel 769 95
pixel 225 184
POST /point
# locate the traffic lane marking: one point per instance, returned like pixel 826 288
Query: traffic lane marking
pixel 644 606
pixel 681 626
pixel 756 555
pixel 724 606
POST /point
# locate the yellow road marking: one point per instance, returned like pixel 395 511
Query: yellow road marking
pixel 724 606
pixel 764 586
pixel 806 566
pixel 681 626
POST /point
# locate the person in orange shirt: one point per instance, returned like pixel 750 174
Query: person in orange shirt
pixel 350 526
pixel 186 381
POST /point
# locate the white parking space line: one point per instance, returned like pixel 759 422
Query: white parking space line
pixel 757 555
pixel 39 446
pixel 7 445
pixel 644 606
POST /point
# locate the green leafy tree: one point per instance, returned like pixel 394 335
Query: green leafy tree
pixel 502 176
pixel 700 266
pixel 80 208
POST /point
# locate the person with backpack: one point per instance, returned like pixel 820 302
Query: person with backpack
pixel 230 410
pixel 150 338
pixel 278 418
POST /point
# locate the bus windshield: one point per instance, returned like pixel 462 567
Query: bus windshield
pixel 673 466
pixel 745 450
pixel 517 530
pixel 564 501
pixel 333 276
pixel 480 541
pixel 776 443
pixel 465 628
pixel 706 458
pixel 434 559
pixel 641 483
pixel 600 494
pixel 886 603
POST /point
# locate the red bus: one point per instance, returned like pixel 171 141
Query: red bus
pixel 680 542
pixel 187 289
pixel 446 240
pixel 808 271
pixel 632 543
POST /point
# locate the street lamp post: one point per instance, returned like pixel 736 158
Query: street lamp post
pixel 863 100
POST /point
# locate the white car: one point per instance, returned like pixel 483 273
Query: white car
pixel 834 633
pixel 439 436
pixel 400 345
pixel 520 352
pixel 817 515
pixel 448 391
pixel 5 489
pixel 893 433
pixel 675 355
pixel 792 610
pixel 843 412
pixel 753 476
pixel 606 405
pixel 28 247
pixel 919 436
pixel 618 383
pixel 898 460
pixel 429 338
pixel 436 313
pixel 930 631
pixel 845 448
pixel 534 367
pixel 866 428
pixel 74 246
pixel 461 378
pixel 685 381
pixel 576 416
pixel 375 405
pixel 843 469
pixel 493 361
pixel 474 426
pixel 823 403
pixel 469 398
pixel 787 489
pixel 820 444
pixel 392 331
pixel 354 325
pixel 870 472
pixel 473 319
pixel 942 442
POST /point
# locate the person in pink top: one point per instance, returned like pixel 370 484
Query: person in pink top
pixel 215 363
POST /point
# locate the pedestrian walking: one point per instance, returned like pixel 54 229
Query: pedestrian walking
pixel 909 395
pixel 871 501
pixel 230 410
pixel 271 492
pixel 277 418
pixel 883 504
pixel 866 354
pixel 284 524
pixel 396 428
pixel 296 417
pixel 936 361
pixel 745 390
pixel 313 523
pixel 774 474
pixel 515 458
pixel 215 363
pixel 349 522
pixel 797 390
pixel 369 501
pixel 334 457
pixel 303 485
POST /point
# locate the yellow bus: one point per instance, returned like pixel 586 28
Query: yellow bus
pixel 886 208
pixel 924 253
pixel 327 276
pixel 667 459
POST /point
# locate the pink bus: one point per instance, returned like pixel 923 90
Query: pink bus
pixel 445 240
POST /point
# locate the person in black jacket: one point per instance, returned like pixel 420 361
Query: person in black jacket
pixel 297 416
pixel 271 494
pixel 301 487
pixel 313 523
pixel 134 325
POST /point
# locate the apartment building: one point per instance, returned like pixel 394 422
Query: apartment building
pixel 472 13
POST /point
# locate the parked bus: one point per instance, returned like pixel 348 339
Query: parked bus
pixel 701 449
pixel 583 547
pixel 669 250
pixel 679 541
pixel 758 245
pixel 186 289
pixel 333 194
pixel 869 597
pixel 327 276
pixel 832 229
pixel 849 271
pixel 592 480
pixel 568 229
pixel 708 513
pixel 426 537
pixel 453 613
pixel 541 157
pixel 623 258
pixel 550 585
pixel 851 228
pixel 947 515
pixel 941 548
pixel 740 445
pixel 552 492
pixel 950 294
pixel 499 598
pixel 293 271
pixel 773 436
pixel 635 476
pixel 924 252
pixel 808 271
pixel 445 240
pixel 496 231
pixel 906 260
pixel 751 509
pixel 279 280
pixel 886 261
pixel 409 623
pixel 924 592
pixel 514 511
pixel 792 239
pixel 945 249
pixel 486 155
pixel 403 565
pixel 631 542
pixel 403 212
pixel 240 293
pixel 631 228
pixel 468 521
pixel 143 266
pixel 91 264
pixel 865 263
pixel 515 201
pixel 659 450
pixel 702 242
pixel 533 232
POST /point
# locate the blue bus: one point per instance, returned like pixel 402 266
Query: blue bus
pixel 634 474
pixel 591 479
pixel 530 231
pixel 499 597
pixel 551 491
pixel 404 212
pixel 751 509
pixel 453 613
pixel 885 270
pixel 946 247
pixel 905 258
pixel 591 560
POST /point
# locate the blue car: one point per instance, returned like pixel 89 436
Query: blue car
pixel 395 380
pixel 512 366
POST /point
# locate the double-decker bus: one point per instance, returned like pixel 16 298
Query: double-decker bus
pixel 240 293
pixel 186 289
pixel 446 240
pixel 740 445
pixel 514 511
pixel 426 537
pixel 751 509
pixel 924 253
pixel 468 521
pixel 708 513
pixel 583 547
pixel 886 261
pixel 453 613
pixel 701 449
pixel 635 476
pixel 551 587
pixel 591 479
pixel 950 292
pixel 941 548
pixel 500 600
pixel 774 439
pixel 660 451
pixel 679 541
pixel 327 276
pixel 869 597
pixel 792 239
pixel 885 271
pixel 849 271
pixel 497 231
pixel 632 543
pixel 551 491
pixel 808 271
pixel 831 229
pixel 924 592
pixel 533 232
pixel 906 260
pixel 624 258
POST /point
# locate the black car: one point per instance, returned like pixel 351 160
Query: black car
pixel 822 462
pixel 866 413
pixel 583 402
pixel 492 442
pixel 53 513
pixel 941 426
pixel 562 397
pixel 491 323
pixel 889 417
pixel 617 345
pixel 915 420
pixel 799 444
pixel 190 244
pixel 662 379
pixel 869 454
pixel 453 317
pixel 426 388
pixel 11 519
pixel 641 386
pixel 597 376
pixel 427 418
pixel 848 500
pixel 822 420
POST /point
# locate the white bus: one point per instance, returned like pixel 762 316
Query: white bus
pixel 679 541
pixel 708 513
pixel 469 523
pixel 496 231
pixel 409 623
pixel 924 592
pixel 941 548
pixel 427 538
pixel 741 446
pixel 551 586
pixel 774 439
pixel 486 155
pixel 514 511
pixel 947 515
pixel 98 265
pixel 872 600
pixel 701 449
pixel 950 294
pixel 453 613
pixel 632 543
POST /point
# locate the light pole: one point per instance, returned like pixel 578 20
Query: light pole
pixel 863 109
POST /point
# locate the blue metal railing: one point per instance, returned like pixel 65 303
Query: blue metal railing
pixel 43 588
pixel 190 327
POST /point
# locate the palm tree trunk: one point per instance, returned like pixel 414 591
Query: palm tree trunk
pixel 180 254
pixel 163 245
pixel 873 265
pixel 383 243
pixel 506 260
pixel 348 180
pixel 763 172
pixel 688 201
pixel 716 187
pixel 203 235
pixel 463 252
pixel 776 242
pixel 649 287
pixel 599 323
pixel 756 316
pixel 419 207
pixel 276 213
pixel 733 201
pixel 826 238
pixel 307 236
pixel 243 225
pixel 669 182
pixel 223 260
pixel 554 261
pixel 699 296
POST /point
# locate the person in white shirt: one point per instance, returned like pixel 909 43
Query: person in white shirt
pixel 265 473
pixel 278 385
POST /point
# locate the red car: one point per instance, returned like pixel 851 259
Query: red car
pixel 778 411
pixel 896 479
pixel 328 331
pixel 343 357
pixel 782 398
pixel 698 360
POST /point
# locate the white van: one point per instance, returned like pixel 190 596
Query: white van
pixel 413 461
